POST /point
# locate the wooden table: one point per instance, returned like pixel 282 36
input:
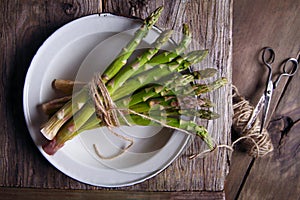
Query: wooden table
pixel 257 24
pixel 26 24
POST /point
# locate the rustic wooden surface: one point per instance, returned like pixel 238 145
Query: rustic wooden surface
pixel 25 24
pixel 257 24
pixel 54 194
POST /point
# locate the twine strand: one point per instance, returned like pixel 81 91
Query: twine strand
pixel 256 144
pixel 106 112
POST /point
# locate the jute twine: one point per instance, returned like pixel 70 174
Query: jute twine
pixel 256 144
pixel 106 111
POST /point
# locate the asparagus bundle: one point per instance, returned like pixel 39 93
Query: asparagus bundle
pixel 155 89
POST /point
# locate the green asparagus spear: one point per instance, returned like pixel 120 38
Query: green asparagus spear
pixel 169 56
pixel 203 74
pixel 155 74
pixel 169 102
pixel 171 112
pixel 69 129
pixel 189 126
pixel 155 90
pixel 126 52
pixel 68 133
pixel 52 126
pixel 127 72
pixel 204 88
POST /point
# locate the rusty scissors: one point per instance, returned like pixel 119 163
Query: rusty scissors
pixel 268 57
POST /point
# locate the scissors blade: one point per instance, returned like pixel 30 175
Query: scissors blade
pixel 268 95
pixel 255 112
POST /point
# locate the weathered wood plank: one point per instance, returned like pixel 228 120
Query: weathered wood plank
pixel 258 24
pixel 210 23
pixel 54 194
pixel 24 27
pixel 279 172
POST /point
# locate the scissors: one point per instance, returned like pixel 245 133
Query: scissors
pixel 268 57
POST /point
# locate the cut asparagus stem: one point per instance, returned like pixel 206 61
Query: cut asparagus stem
pixel 186 40
pixel 67 86
pixel 69 130
pixel 52 126
pixel 127 72
pixel 196 89
pixel 53 106
pixel 91 123
pixel 197 56
pixel 126 52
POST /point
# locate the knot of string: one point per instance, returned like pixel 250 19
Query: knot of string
pixel 103 103
pixel 107 113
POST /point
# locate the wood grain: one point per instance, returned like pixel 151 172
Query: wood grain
pixel 54 194
pixel 258 24
pixel 279 172
pixel 24 27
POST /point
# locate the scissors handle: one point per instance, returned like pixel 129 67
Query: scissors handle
pixel 268 56
pixel 287 71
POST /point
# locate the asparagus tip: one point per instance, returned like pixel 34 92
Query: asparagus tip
pixel 158 10
pixel 153 17
pixel 186 30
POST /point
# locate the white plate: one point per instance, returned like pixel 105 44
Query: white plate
pixel 64 55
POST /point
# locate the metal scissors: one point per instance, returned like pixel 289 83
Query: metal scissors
pixel 268 57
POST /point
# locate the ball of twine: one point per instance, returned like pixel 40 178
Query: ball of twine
pixel 256 144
